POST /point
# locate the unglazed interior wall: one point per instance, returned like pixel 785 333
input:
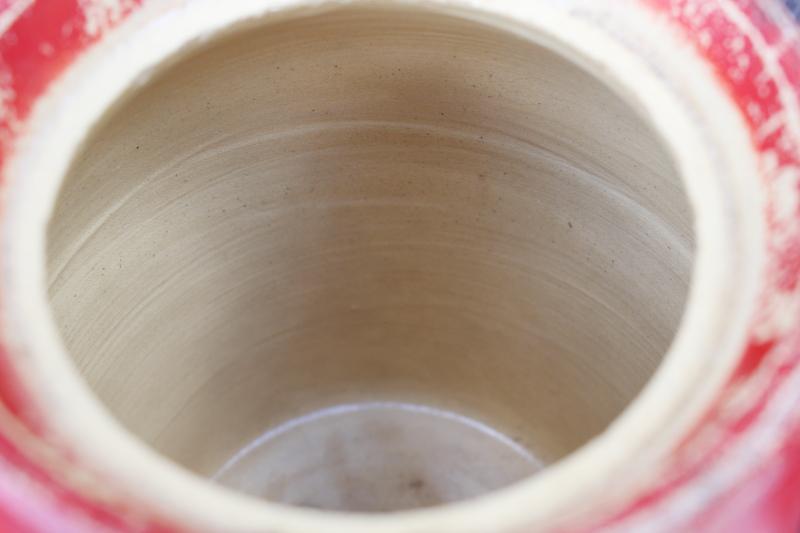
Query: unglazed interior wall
pixel 372 214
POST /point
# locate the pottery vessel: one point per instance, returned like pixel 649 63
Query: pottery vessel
pixel 400 266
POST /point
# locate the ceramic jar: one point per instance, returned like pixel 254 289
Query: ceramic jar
pixel 402 266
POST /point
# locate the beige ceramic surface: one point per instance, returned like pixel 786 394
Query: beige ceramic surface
pixel 470 246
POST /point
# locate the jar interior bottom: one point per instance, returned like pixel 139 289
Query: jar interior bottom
pixel 377 457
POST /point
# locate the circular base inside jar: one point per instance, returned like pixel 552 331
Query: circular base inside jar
pixel 377 457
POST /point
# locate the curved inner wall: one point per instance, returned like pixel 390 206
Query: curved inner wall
pixel 369 259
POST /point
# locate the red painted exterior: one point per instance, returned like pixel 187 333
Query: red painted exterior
pixel 46 37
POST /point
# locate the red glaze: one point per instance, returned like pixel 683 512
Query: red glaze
pixel 754 47
pixel 767 497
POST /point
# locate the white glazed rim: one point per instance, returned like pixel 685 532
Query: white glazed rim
pixel 710 337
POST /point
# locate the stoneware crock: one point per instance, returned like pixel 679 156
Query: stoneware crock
pixel 412 266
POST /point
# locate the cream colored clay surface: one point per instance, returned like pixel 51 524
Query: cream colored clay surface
pixel 369 207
